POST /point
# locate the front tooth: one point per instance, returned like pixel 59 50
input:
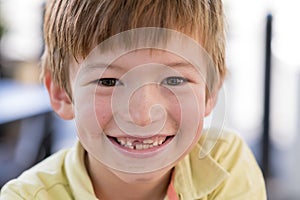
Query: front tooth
pixel 145 146
pixel 129 146
pixel 139 146
pixel 148 141
pixel 129 142
pixel 155 143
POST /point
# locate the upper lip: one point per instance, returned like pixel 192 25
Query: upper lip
pixel 141 138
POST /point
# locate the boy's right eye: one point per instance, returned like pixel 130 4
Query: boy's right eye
pixel 109 82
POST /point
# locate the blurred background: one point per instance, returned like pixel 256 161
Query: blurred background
pixel 262 90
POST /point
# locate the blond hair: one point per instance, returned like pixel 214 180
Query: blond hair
pixel 73 27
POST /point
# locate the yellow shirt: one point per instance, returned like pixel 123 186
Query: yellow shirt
pixel 221 166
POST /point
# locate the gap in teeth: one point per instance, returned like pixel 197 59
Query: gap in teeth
pixel 140 144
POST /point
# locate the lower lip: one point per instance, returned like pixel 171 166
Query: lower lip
pixel 141 153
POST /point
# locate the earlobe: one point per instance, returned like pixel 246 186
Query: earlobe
pixel 59 99
pixel 210 104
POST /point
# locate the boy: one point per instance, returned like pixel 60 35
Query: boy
pixel 136 80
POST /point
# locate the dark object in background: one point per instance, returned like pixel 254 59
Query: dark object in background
pixel 267 93
pixel 25 133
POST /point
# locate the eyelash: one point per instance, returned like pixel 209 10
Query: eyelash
pixel 111 82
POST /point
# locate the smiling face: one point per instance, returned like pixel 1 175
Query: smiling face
pixel 137 111
pixel 140 113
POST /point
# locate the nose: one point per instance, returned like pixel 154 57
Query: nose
pixel 146 105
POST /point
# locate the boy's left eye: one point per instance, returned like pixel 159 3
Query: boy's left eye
pixel 174 81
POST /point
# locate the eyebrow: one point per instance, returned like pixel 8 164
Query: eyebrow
pixel 188 66
pixel 178 64
pixel 101 65
pixel 182 64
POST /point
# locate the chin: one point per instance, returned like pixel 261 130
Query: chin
pixel 149 177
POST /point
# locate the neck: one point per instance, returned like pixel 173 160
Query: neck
pixel 107 185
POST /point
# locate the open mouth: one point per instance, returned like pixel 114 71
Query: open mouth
pixel 141 143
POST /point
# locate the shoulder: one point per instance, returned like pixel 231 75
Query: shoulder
pixel 45 176
pixel 217 143
pixel 228 150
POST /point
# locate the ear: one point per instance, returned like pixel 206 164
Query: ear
pixel 59 98
pixel 210 103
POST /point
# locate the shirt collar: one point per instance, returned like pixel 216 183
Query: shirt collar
pixel 77 174
pixel 193 178
pixel 196 176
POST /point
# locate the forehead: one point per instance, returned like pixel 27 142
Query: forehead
pixel 149 56
pixel 144 46
pixel 152 43
pixel 138 58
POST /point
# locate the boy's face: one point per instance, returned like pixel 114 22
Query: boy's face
pixel 139 112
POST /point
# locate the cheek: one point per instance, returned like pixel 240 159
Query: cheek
pixel 189 104
pixel 199 93
pixel 103 111
pixel 174 108
pixel 86 122
pixel 172 104
pixel 92 113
